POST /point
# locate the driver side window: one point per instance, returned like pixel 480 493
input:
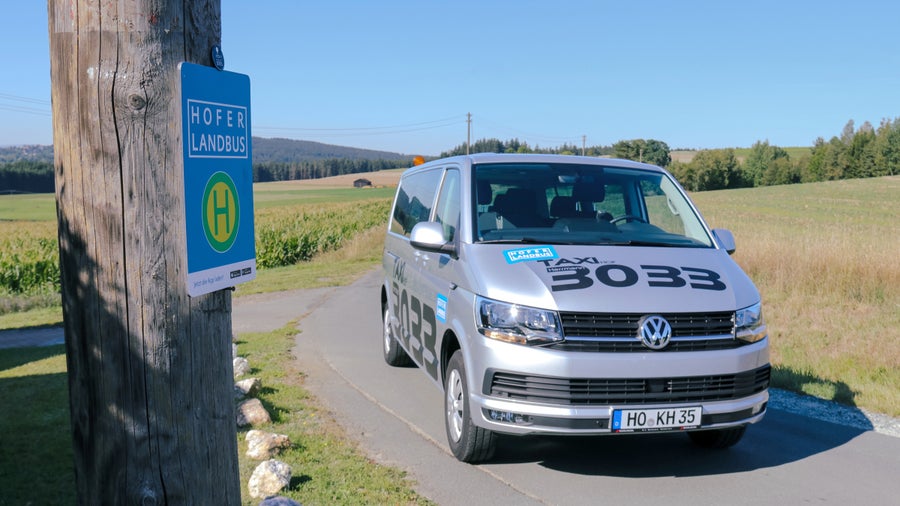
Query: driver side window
pixel 448 205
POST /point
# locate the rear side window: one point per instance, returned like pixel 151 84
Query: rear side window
pixel 414 200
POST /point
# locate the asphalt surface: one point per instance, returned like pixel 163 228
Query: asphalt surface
pixel 805 450
pixel 797 454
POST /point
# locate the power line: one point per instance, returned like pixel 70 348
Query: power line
pixel 407 127
pixel 27 110
pixel 530 135
pixel 24 100
pixel 19 98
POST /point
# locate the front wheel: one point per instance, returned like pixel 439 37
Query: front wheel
pixel 468 442
pixel 719 438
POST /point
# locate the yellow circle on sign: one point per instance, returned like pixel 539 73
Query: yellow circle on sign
pixel 221 212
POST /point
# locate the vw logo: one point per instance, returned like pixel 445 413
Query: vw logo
pixel 654 331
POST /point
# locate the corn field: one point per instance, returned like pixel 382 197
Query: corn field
pixel 29 255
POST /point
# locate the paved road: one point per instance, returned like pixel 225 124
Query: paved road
pixel 396 415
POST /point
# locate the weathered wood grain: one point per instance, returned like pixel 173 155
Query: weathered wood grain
pixel 149 367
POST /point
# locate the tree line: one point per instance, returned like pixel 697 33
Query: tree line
pixel 26 176
pixel 856 153
pixel 516 146
pixel 315 169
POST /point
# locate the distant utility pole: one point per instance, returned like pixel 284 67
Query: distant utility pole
pixel 149 368
pixel 468 131
pixel 583 142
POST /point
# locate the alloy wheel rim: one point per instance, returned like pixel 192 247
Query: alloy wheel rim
pixel 455 405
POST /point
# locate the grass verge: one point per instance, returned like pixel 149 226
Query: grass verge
pixel 35 439
pixel 328 467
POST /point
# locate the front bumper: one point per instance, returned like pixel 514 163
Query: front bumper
pixel 542 392
pixel 523 418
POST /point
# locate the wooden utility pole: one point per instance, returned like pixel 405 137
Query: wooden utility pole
pixel 150 369
pixel 468 131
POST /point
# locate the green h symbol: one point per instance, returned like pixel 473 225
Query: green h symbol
pixel 221 202
pixel 222 210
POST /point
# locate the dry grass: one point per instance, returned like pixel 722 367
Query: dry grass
pixel 825 257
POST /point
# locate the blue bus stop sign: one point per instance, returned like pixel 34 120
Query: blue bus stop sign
pixel 218 178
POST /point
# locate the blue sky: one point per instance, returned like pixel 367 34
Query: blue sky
pixel 402 75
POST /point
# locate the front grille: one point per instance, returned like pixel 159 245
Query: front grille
pixel 617 332
pixel 604 392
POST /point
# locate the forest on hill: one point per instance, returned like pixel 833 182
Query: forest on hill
pixel 29 169
pixel 861 152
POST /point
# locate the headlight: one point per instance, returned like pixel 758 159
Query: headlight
pixel 749 324
pixel 512 323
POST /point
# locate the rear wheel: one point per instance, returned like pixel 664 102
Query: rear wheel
pixel 468 442
pixel 393 354
pixel 718 438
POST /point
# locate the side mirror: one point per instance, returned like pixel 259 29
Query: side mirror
pixel 429 236
pixel 725 239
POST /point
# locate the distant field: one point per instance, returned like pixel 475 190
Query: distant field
pixel 277 196
pixel 378 179
pixel 685 156
pixel 28 207
pixel 42 206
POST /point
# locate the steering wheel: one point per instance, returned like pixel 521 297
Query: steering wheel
pixel 628 217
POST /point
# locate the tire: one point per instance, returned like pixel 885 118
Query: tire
pixel 718 439
pixel 468 442
pixel 394 355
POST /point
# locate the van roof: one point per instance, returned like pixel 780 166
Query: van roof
pixel 478 158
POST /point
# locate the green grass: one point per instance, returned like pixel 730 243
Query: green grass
pixel 35 439
pixel 29 207
pixel 34 317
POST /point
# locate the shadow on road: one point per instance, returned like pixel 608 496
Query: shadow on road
pixel 781 438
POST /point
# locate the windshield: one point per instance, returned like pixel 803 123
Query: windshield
pixel 583 204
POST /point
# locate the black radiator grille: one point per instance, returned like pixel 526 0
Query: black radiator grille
pixel 617 332
pixel 602 392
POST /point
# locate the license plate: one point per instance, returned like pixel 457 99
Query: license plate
pixel 646 420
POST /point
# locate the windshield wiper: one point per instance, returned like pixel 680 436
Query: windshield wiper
pixel 658 243
pixel 523 240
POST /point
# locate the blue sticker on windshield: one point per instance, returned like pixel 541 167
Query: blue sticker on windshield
pixel 527 254
pixel 441 312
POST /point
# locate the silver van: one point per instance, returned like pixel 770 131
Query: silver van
pixel 566 295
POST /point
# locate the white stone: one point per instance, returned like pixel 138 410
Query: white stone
pixel 251 412
pixel 269 478
pixel 265 445
pixel 247 388
pixel 241 367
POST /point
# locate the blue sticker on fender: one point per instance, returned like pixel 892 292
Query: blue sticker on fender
pixel 528 254
pixel 441 310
